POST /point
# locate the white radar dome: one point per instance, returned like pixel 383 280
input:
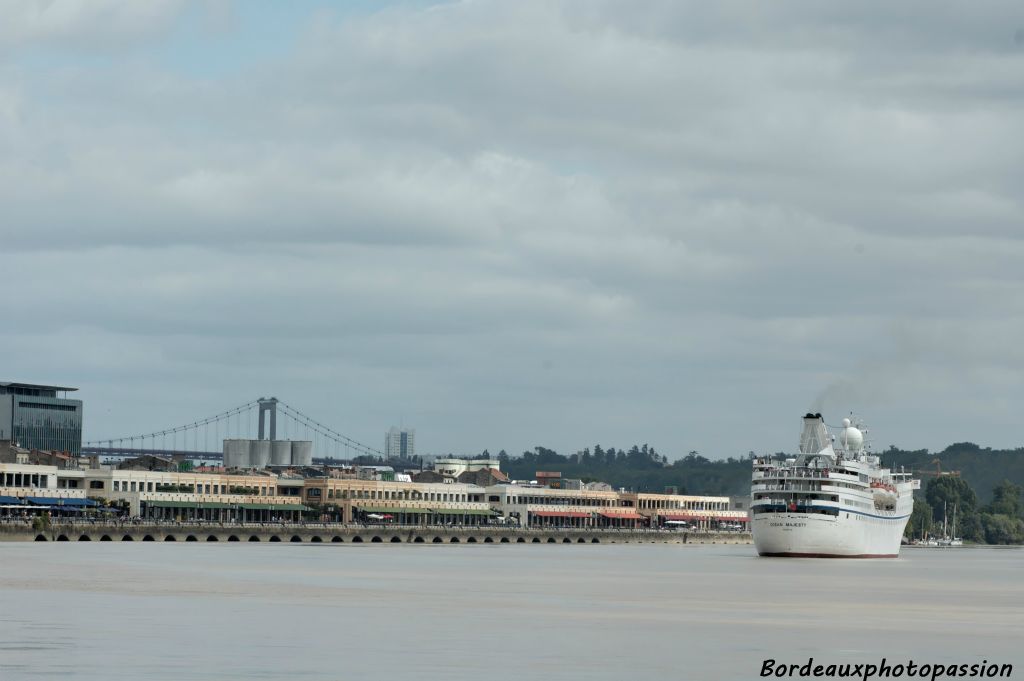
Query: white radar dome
pixel 846 423
pixel 852 438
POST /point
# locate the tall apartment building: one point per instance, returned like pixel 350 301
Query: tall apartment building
pixel 399 443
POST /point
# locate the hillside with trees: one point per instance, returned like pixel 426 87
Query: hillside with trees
pixel 639 468
pixel 1001 521
pixel 643 469
pixel 982 468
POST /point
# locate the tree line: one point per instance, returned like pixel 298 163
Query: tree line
pixel 1000 521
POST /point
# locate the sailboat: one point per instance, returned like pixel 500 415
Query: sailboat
pixel 948 540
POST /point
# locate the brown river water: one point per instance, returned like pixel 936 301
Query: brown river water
pixel 491 612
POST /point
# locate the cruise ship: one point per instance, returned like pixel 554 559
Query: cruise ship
pixel 832 500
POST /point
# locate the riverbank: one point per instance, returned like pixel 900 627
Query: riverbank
pixel 336 533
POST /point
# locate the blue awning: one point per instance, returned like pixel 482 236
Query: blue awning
pixel 10 500
pixel 55 501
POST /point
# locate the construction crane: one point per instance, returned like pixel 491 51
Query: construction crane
pixel 938 472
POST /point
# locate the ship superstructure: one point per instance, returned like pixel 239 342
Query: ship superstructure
pixel 833 499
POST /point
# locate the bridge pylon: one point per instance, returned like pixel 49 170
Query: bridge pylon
pixel 268 405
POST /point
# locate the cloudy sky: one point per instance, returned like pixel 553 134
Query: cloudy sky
pixel 510 224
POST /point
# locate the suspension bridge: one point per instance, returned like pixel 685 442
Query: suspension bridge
pixel 202 439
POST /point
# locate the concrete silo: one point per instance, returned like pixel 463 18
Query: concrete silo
pixel 302 453
pixel 259 453
pixel 280 453
pixel 236 453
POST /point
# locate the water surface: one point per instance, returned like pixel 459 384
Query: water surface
pixel 275 611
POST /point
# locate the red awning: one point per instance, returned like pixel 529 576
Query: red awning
pixel 627 515
pixel 733 519
pixel 560 514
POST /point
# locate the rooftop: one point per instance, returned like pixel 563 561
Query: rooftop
pixel 35 386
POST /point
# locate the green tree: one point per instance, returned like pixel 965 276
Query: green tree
pixel 951 491
pixel 947 494
pixel 1006 500
pixel 1002 529
pixel 969 527
pixel 920 523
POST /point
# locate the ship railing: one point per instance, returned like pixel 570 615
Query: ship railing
pixel 785 488
pixel 790 473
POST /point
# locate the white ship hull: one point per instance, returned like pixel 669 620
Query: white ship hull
pixel 813 535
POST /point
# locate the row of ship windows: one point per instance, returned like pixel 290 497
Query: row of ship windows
pixel 832 483
pixel 806 509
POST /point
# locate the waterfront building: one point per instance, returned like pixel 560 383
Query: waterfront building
pixel 27 489
pixel 375 472
pixel 400 443
pixel 235 496
pixel 537 506
pixel 215 496
pixel 485 477
pixel 33 417
pixel 701 512
pixel 453 466
pixel 353 500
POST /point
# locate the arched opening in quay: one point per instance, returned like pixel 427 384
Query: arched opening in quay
pixel 41 537
pixel 213 537
pixel 62 537
pixel 504 540
pixel 316 540
pixel 357 539
pixel 455 540
pixel 437 540
pixel 170 537
pixel 105 537
pixel 275 538
pixel 191 537
pixel 396 540
pixel 127 537
pixel 296 539
pixel 471 540
pixel 233 537
pixel 376 540
pixel 85 537
pixel 417 540
pixel 488 540
pixel 336 539
pixel 254 538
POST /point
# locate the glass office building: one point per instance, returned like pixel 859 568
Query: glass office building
pixel 34 417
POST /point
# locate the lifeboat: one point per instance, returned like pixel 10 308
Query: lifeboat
pixel 881 487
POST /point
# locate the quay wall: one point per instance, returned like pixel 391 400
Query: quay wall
pixel 356 534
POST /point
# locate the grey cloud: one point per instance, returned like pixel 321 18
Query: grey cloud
pixel 534 223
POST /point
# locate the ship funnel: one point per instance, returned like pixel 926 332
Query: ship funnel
pixel 814 437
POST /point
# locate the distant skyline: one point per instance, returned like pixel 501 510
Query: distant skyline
pixel 525 223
